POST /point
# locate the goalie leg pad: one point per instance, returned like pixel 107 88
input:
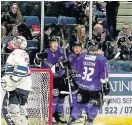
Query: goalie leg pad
pixel 5 111
pixel 23 113
pixel 14 113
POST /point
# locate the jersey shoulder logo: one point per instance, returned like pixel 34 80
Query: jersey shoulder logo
pixel 90 57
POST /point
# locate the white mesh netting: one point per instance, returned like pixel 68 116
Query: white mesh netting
pixel 39 99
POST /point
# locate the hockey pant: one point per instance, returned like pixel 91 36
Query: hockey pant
pixel 16 109
pixel 59 84
pixel 90 101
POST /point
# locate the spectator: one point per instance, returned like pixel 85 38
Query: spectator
pixel 47 32
pixel 102 39
pixel 8 38
pixel 124 41
pixel 36 11
pixel 126 30
pixel 4 6
pixel 111 15
pixel 11 18
pixel 24 30
pixel 81 35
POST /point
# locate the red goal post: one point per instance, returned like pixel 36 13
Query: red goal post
pixel 40 98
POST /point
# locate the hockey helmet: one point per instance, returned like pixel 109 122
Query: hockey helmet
pixel 53 39
pixel 77 43
pixel 18 41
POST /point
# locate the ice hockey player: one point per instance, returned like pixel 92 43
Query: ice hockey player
pixel 90 95
pixel 53 61
pixel 75 69
pixel 17 81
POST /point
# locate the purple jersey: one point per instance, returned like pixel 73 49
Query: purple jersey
pixel 53 59
pixel 75 69
pixel 94 72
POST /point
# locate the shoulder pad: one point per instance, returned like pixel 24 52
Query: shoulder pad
pixel 101 57
pixel 90 57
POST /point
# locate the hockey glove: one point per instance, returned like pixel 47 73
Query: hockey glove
pixel 74 85
pixel 41 55
pixel 106 88
pixel 37 62
pixel 66 64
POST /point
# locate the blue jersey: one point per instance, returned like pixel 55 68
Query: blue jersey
pixel 54 58
pixel 94 72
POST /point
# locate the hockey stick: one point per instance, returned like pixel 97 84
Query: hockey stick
pixel 68 79
pixel 69 85
pixel 107 102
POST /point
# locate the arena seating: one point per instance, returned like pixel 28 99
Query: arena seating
pixel 48 20
pixel 31 20
pixel 32 44
pixel 67 20
pixel 59 20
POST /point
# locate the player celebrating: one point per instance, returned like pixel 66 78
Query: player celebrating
pixel 17 81
pixel 90 96
pixel 75 69
pixel 55 56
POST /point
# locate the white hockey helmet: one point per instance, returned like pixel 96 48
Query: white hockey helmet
pixel 18 41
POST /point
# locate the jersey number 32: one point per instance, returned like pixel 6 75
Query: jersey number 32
pixel 88 71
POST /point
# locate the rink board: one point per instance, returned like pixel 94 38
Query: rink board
pixel 113 121
pixel 119 110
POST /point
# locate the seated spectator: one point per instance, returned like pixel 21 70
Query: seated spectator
pixel 79 34
pixel 124 41
pixel 11 18
pixel 24 30
pixel 102 39
pixel 126 30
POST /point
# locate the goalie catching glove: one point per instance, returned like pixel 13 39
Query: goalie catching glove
pixel 10 83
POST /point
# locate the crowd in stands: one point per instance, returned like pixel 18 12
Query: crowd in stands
pixel 114 44
pixel 69 22
pixel 21 18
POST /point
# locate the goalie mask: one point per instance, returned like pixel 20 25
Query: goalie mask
pixel 18 42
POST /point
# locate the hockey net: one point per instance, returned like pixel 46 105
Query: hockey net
pixel 40 98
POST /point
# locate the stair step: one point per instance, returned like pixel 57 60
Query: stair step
pixel 120 25
pixel 126 12
pixel 125 5
pixel 123 19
